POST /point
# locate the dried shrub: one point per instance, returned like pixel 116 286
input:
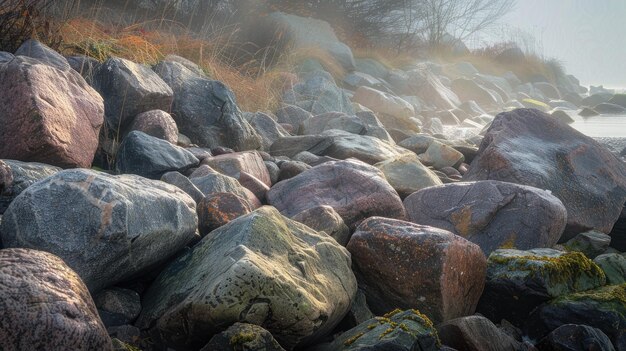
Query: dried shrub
pixel 24 19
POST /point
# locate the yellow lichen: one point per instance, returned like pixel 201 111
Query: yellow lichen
pixel 353 339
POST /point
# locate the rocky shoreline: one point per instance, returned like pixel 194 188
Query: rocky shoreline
pixel 432 208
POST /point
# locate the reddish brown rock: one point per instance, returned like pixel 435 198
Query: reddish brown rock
pixel 48 115
pixel 254 184
pixel 45 306
pixel 491 214
pixel 234 163
pixel 218 209
pixel 529 147
pixel 352 188
pixel 156 123
pixel 404 265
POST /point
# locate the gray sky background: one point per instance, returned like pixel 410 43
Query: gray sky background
pixel 588 36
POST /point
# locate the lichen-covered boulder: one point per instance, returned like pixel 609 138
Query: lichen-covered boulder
pixel 397 330
pixel 518 281
pixel 45 306
pixel 217 209
pixel 407 174
pixel 48 115
pixel 16 176
pixel 243 337
pixel 352 188
pixel 404 265
pixel 262 269
pixel 591 243
pixel 528 147
pixel 106 228
pixel 491 214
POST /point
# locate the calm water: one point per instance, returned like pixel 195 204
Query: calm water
pixel 600 126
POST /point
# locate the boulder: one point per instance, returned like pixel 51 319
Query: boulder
pixel 235 164
pixel 243 336
pixel 16 176
pixel 156 123
pixel 179 180
pixel 151 157
pixel 469 90
pixel 491 214
pixel 117 306
pixel 596 99
pixel 436 93
pixel 35 49
pixel 440 155
pixel 318 93
pixel 614 267
pixel 563 116
pixel 371 67
pixel 268 130
pixel 591 243
pixel 407 174
pixel 353 189
pixel 548 90
pixel 106 228
pixel 206 110
pixel 128 89
pixel 476 333
pixel 45 305
pixel 48 115
pixel 291 114
pixel 261 269
pixel 362 123
pixel 217 209
pixel 384 103
pixel 84 65
pixel 609 109
pixel 404 265
pixel 518 281
pixel 575 337
pixel 588 112
pixel 325 219
pixel 398 331
pixel 618 99
pixel 603 308
pixel 529 147
pixel 214 182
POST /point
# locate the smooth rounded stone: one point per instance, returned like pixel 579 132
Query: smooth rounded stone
pixel 585 176
pixel 440 155
pixel 151 157
pixel 211 183
pixel 156 123
pixel 603 308
pixel 468 89
pixel 358 124
pixel 263 269
pixel 217 209
pixel 107 228
pixel 267 129
pixel 179 180
pixel 400 135
pixel 575 337
pixel 183 141
pixel 475 333
pixel 407 174
pixel 291 114
pixel 404 265
pixel 353 189
pixel 381 102
pixel 234 164
pixel 243 337
pixel 563 116
pixel 451 172
pixel 206 110
pixel 290 169
pixel 491 214
pixel 45 305
pixel 417 143
pixel 317 93
pixel 35 49
pixel 273 170
pixel 609 109
pixel 591 243
pixel 368 149
pixel 48 115
pixel 325 219
pixel 614 267
pixel 16 176
pixel 117 306
pixel 398 331
pixel 518 281
pixel 128 89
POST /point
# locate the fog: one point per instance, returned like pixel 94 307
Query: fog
pixel 588 36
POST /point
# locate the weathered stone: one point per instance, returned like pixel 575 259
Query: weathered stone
pixel 469 90
pixel 243 337
pixel 381 102
pixel 212 183
pixel 35 49
pixel 255 185
pixel 182 182
pixel 117 306
pixel 528 147
pixel 417 143
pixel 491 214
pixel 206 110
pixel 48 115
pixel 614 267
pixel 151 157
pixel 407 174
pixel 353 189
pixel 128 89
pixel 575 337
pixel 107 228
pixel 217 209
pixel 262 269
pixel 45 305
pixel 548 90
pixel 318 94
pixel 404 265
pixel 325 219
pixel 268 130
pixel 16 176
pixel 440 155
pixel 609 109
pixel 476 333
pixel 156 123
pixel 293 115
pixel 84 65
pixel 591 243
pixel 236 163
pixel 358 124
pixel 518 281
pixel 290 169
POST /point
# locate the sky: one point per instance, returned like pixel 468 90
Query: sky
pixel 588 36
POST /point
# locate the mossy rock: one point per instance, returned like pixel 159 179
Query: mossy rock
pixel 397 330
pixel 614 267
pixel 243 337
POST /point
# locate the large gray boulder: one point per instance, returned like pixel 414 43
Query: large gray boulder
pixel 318 93
pixel 206 110
pixel 16 176
pixel 352 188
pixel 491 214
pixel 261 269
pixel 106 228
pixel 45 306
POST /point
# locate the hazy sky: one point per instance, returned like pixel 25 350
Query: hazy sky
pixel 589 36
